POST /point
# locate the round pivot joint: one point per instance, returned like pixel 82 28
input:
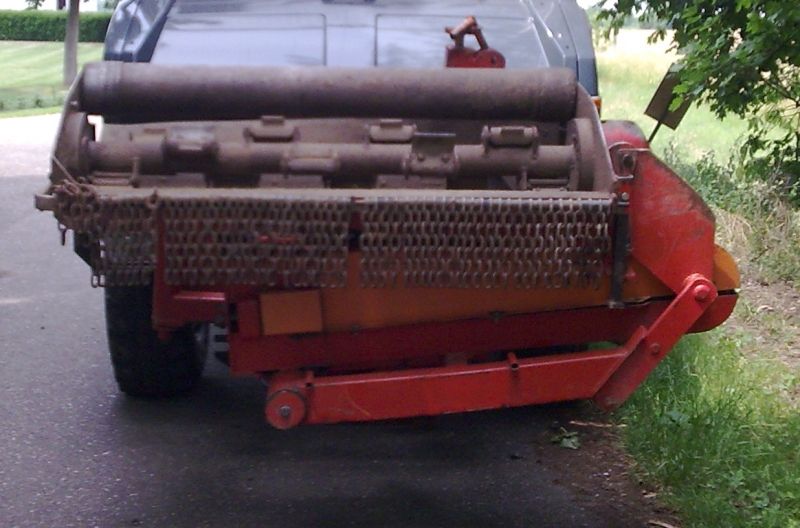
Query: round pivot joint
pixel 702 292
pixel 285 409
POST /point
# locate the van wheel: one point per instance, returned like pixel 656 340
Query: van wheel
pixel 145 366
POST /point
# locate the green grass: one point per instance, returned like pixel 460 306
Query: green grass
pixel 715 426
pixel 629 73
pixel 32 73
pixel 27 112
pixel 715 430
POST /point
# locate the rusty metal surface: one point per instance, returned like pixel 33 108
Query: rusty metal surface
pixel 250 127
pixel 122 233
pixel 488 179
pixel 296 239
pixel 287 242
pixel 465 166
pixel 446 242
pixel 135 92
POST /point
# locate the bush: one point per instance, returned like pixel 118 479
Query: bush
pixel 51 26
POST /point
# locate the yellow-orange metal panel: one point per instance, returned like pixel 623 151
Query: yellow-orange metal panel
pixel 291 312
pixel 354 307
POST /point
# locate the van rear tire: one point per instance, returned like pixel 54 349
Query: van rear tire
pixel 144 366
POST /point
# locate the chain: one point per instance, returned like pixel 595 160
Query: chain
pixel 121 231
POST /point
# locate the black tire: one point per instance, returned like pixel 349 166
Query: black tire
pixel 145 366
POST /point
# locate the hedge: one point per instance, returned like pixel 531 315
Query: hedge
pixel 51 25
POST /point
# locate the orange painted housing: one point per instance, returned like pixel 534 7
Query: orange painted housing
pixel 354 307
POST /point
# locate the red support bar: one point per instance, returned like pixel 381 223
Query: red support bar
pixel 174 307
pixel 696 296
pixel 608 376
pixel 297 398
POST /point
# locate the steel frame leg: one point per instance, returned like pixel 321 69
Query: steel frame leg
pixel 606 376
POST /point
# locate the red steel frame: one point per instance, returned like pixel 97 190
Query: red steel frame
pixel 446 367
pixel 607 376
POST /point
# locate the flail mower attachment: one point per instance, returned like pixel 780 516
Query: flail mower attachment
pixel 390 243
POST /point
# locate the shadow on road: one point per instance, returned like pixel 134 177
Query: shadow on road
pixel 478 469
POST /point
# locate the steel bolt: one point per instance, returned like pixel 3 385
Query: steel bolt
pixel 628 162
pixel 285 411
pixel 655 349
pixel 701 292
pixel 625 197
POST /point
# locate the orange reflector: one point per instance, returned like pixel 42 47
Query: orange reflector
pixel 598 103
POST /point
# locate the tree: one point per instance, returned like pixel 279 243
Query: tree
pixel 71 43
pixel 71 37
pixel 742 57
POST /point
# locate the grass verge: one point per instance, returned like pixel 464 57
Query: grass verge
pixel 32 73
pixel 26 112
pixel 714 429
pixel 717 423
pixel 716 426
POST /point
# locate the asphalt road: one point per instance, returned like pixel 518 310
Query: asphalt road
pixel 75 452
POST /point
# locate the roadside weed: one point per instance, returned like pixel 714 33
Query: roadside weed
pixel 714 429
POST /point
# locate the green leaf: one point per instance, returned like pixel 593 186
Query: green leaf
pixel 566 439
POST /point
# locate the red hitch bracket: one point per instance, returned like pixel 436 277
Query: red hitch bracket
pixel 460 56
